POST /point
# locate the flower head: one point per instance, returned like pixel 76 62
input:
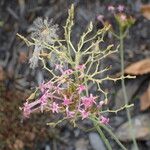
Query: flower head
pixel 80 67
pixel 88 102
pixel 85 114
pixel 81 88
pixel 120 8
pixel 68 72
pixel 43 30
pixel 66 101
pixel 70 114
pixel 111 8
pixel 123 17
pixel 55 107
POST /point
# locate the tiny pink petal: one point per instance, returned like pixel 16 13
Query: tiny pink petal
pixel 81 88
pixel 55 107
pixel 120 8
pixel 104 120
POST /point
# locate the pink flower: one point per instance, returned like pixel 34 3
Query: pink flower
pixel 81 88
pixel 88 101
pixel 120 8
pixel 123 17
pixel 28 108
pixel 104 120
pixel 68 72
pixel 55 107
pixel 84 114
pixel 80 67
pixel 66 101
pixel 59 67
pixel 44 99
pixel 70 114
pixel 43 86
pixel 111 8
pixel 101 103
pixel 100 18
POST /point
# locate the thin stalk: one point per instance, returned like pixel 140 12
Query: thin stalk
pixel 124 88
pixel 114 137
pixel 102 135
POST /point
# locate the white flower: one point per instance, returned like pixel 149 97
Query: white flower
pixel 43 30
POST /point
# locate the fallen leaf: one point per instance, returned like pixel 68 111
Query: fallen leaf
pixel 145 9
pixel 141 129
pixel 139 68
pixel 145 100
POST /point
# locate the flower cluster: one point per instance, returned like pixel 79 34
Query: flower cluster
pixel 67 100
pixel 42 31
pixel 120 15
pixel 68 91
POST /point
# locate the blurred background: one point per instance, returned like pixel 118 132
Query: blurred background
pixel 17 79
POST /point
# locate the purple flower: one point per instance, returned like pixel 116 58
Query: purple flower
pixel 120 8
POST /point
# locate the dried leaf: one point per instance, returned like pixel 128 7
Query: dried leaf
pixel 139 68
pixel 145 9
pixel 141 129
pixel 145 100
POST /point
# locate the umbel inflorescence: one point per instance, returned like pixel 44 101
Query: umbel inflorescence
pixel 67 92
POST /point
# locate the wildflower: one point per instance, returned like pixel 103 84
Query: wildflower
pixel 66 101
pixel 43 30
pixel 111 8
pixel 59 67
pixel 84 114
pixel 100 18
pixel 68 72
pixel 120 8
pixel 104 120
pixel 70 114
pixel 81 88
pixel 123 17
pixel 101 103
pixel 43 86
pixel 55 107
pixel 26 110
pixel 44 99
pixel 88 101
pixel 80 67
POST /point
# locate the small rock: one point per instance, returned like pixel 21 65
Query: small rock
pixel 81 144
pixel 96 142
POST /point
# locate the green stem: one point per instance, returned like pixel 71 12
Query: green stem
pixel 114 137
pixel 124 88
pixel 102 135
